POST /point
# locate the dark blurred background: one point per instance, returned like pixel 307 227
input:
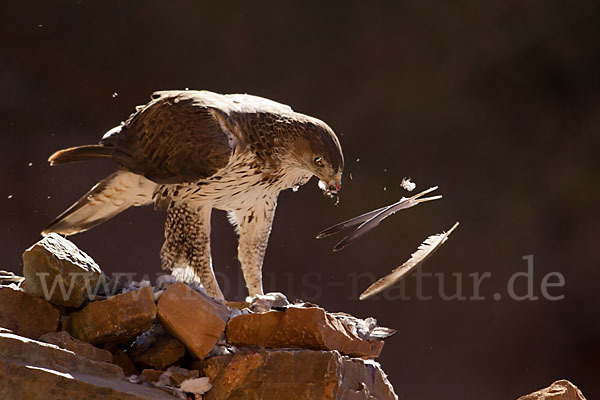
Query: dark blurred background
pixel 497 102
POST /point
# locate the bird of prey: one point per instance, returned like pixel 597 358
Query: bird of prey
pixel 192 151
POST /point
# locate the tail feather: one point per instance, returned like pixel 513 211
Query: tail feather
pixel 80 153
pixel 109 197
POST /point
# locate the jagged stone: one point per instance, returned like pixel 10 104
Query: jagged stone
pixel 118 320
pixel 121 359
pixel 194 318
pixel 239 305
pixel 58 271
pixel 166 351
pixel 300 327
pixel 28 382
pixel 27 351
pixel 152 375
pixel 64 340
pixel 26 315
pixel 559 390
pixel 264 302
pixel 294 374
pixel 178 375
pixel 143 342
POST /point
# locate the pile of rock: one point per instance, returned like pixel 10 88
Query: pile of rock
pixel 559 390
pixel 65 334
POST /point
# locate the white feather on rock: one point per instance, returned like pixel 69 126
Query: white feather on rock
pixel 196 385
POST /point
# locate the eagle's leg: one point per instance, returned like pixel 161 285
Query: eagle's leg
pixel 254 227
pixel 186 250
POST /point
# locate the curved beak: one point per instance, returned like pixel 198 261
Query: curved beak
pixel 332 187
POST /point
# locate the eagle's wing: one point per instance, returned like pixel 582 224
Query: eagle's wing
pixel 174 138
pixel 250 103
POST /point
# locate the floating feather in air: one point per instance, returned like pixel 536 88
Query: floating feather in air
pixel 370 220
pixel 425 250
pixel 407 184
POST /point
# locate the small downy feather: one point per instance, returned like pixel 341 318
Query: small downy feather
pixel 425 250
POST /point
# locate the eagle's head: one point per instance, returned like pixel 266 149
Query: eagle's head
pixel 319 152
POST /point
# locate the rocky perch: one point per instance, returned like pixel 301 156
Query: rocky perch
pixel 67 331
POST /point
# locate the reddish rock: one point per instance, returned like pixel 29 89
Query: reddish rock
pixel 58 271
pixel 240 305
pixel 295 374
pixel 166 351
pixel 194 318
pixel 117 320
pixel 31 370
pixel 559 390
pixel 178 375
pixel 26 382
pixel 309 328
pixel 64 340
pixel 26 315
pixel 19 349
pixel 152 375
pixel 121 359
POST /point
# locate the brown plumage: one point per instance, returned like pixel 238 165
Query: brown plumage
pixel 192 151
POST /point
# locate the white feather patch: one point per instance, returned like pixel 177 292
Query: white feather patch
pixel 425 250
pixel 196 386
pixel 408 184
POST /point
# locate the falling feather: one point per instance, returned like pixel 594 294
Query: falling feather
pixel 425 250
pixel 370 220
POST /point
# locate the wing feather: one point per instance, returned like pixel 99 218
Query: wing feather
pixel 425 250
pixel 175 138
pixel 371 219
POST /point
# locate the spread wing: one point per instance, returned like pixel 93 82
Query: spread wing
pixel 174 138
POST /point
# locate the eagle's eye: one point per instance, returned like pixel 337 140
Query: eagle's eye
pixel 319 162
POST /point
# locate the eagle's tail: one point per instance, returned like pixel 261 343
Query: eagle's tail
pixel 80 153
pixel 109 197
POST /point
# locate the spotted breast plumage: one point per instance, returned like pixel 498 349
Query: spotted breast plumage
pixel 192 151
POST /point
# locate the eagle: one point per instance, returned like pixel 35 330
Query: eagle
pixel 190 152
